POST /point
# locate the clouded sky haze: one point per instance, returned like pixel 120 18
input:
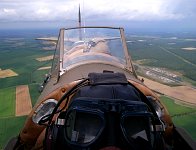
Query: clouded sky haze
pixel 53 13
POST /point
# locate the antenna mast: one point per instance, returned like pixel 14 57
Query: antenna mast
pixel 79 23
pixel 79 17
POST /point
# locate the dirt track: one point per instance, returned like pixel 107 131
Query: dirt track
pixel 23 100
pixel 183 94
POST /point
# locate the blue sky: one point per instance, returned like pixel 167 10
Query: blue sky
pixel 171 14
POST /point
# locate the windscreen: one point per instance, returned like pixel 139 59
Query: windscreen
pixel 86 45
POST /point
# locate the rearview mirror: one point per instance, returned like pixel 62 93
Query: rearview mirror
pixel 44 109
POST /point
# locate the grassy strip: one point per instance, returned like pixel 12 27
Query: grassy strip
pixel 10 127
pixel 33 88
pixel 174 108
pixel 185 121
pixel 7 100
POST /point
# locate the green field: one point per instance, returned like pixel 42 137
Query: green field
pixel 33 89
pixel 7 101
pixel 182 116
pixel 10 127
pixel 22 60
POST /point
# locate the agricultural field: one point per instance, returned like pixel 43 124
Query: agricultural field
pixel 7 107
pixel 18 52
pixel 10 125
pixel 182 116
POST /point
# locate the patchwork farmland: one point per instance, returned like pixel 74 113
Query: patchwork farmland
pixel 25 56
pixel 20 78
